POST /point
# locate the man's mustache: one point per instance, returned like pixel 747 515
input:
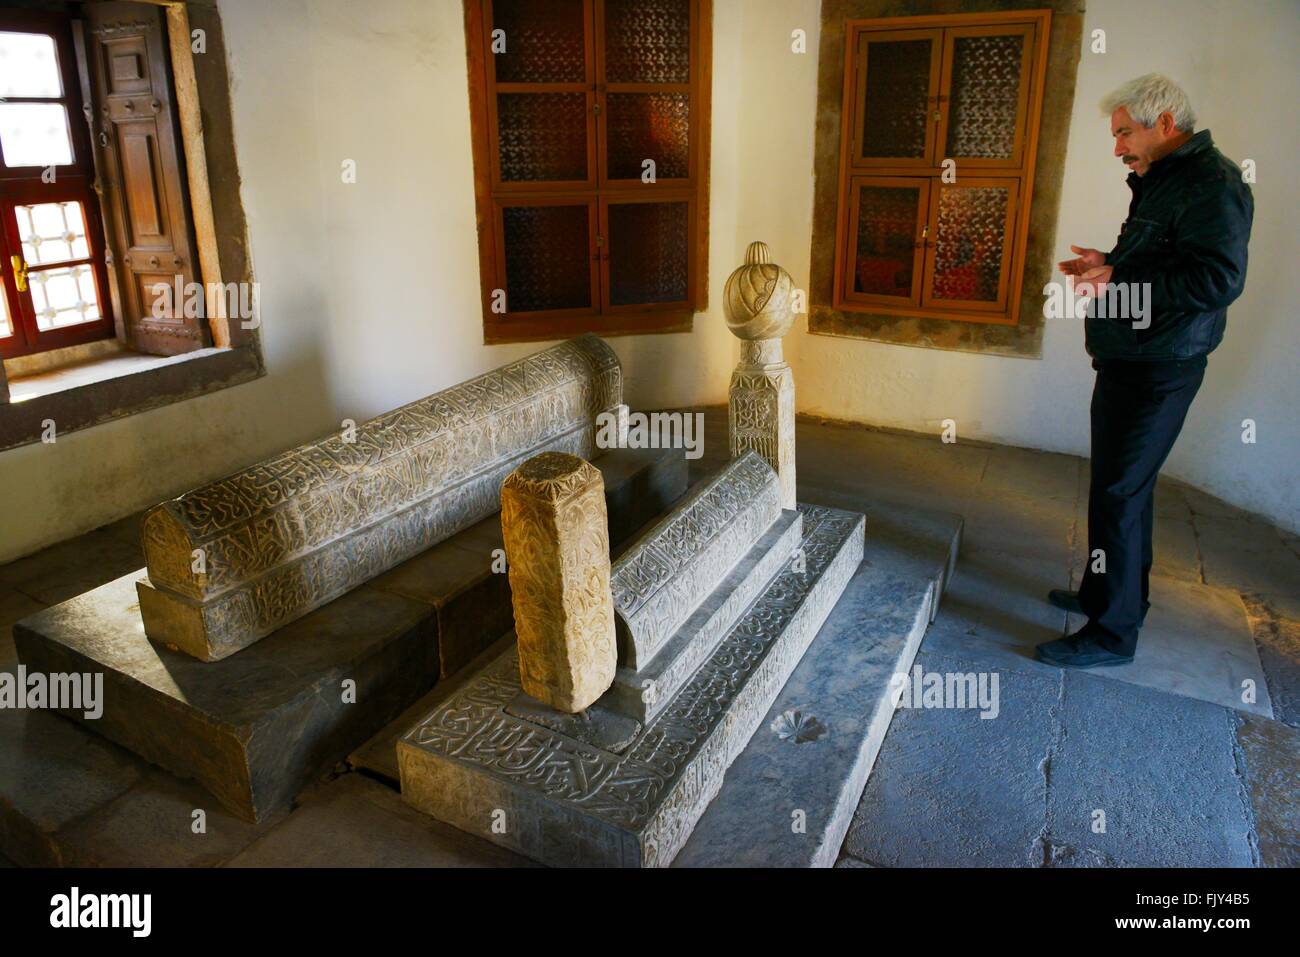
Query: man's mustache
pixel 1128 159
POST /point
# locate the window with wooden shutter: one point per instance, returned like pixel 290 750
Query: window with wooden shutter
pixel 590 149
pixel 940 126
pixel 55 289
pixel 141 164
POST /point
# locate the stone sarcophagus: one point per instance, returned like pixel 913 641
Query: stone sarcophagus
pixel 232 561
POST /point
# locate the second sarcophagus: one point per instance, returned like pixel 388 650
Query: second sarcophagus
pixel 234 560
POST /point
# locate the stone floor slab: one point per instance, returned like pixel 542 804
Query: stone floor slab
pixel 1020 472
pixel 14 606
pixel 1270 754
pixel 162 821
pixel 952 789
pixel 354 821
pixel 73 567
pixel 999 599
pixel 1196 642
pixel 1247 555
pixel 53 772
pixel 1275 626
pixel 1160 767
pixel 1041 528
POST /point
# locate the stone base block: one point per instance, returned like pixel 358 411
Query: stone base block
pixel 254 728
pixel 535 790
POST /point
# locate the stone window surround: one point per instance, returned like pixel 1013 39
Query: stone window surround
pixel 1025 338
pixel 203 102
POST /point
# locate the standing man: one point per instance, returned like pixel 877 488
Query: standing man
pixel 1181 259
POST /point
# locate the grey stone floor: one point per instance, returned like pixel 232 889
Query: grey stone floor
pixel 1168 761
pixel 1188 756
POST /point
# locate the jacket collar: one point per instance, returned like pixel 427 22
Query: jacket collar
pixel 1199 143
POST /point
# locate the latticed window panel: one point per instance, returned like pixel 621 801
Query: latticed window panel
pixel 649 252
pixel 6 326
pixel 897 108
pixel 52 232
pixel 548 258
pixel 648 126
pixel 56 233
pixel 647 41
pixel 542 136
pixel 544 42
pixel 986 78
pixel 884 252
pixel 64 297
pixel 969 242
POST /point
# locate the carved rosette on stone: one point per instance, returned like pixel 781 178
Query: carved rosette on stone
pixel 557 547
pixel 757 300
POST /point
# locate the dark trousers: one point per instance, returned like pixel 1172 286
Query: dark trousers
pixel 1137 412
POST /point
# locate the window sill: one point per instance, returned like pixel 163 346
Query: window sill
pixel 497 331
pixel 84 394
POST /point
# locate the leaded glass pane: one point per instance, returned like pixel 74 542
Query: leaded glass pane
pixel 548 258
pixel 898 85
pixel 544 41
pixel 886 242
pixel 985 93
pixel 649 252
pixel 543 136
pixel 654 126
pixel 969 240
pixel 647 41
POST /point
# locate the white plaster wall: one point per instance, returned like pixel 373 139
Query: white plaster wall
pixel 1237 63
pixel 370 291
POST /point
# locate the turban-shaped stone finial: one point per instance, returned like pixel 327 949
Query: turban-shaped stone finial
pixel 757 297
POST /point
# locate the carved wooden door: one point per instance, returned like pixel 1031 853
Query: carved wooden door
pixel 140 160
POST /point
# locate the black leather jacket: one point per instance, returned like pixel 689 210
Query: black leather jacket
pixel 1186 234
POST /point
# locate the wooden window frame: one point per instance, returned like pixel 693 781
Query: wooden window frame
pixel 924 187
pixel 1018 172
pixel 202 87
pixel 598 191
pixel 73 182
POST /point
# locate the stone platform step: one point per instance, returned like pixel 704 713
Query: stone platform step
pixel 255 727
pixel 788 800
pixel 644 693
pixel 473 764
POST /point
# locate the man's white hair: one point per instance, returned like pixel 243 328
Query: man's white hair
pixel 1147 97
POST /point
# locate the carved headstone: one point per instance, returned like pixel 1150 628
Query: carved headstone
pixel 758 303
pixel 557 548
pixel 234 560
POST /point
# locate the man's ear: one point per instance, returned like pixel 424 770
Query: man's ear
pixel 1166 123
